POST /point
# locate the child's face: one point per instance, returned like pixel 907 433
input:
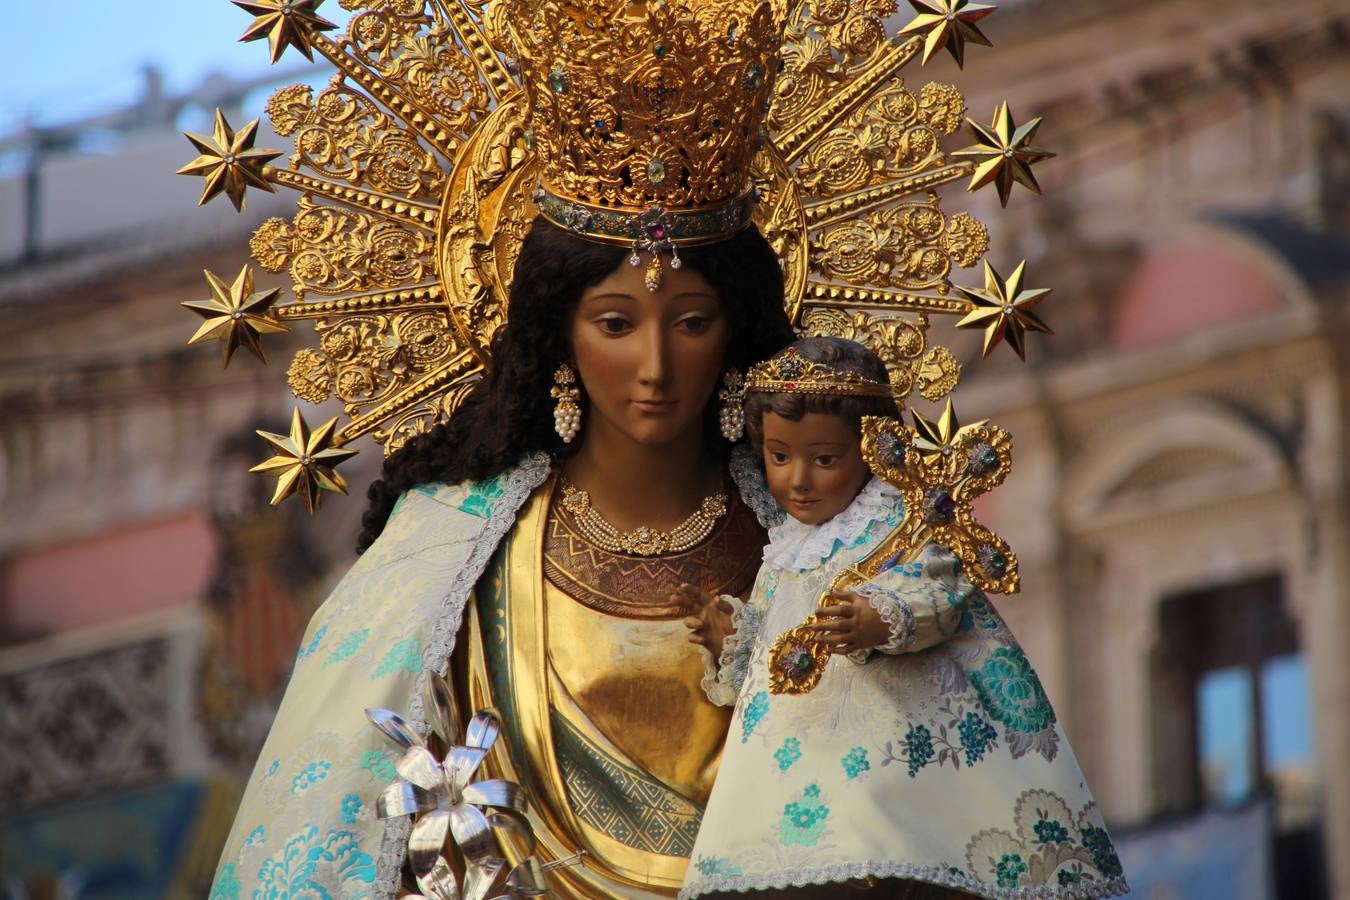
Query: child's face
pixel 814 465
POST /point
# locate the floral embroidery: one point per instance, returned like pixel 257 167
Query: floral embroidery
pixel 1011 692
pixel 1051 846
pixel 350 644
pixel 770 584
pixel 918 748
pixel 310 775
pixel 379 765
pixel 855 762
pixel 977 736
pixel 405 656
pixel 272 769
pixel 1010 867
pixel 309 865
pixel 351 807
pixel 227 884
pixel 1104 857
pixel 313 645
pixel 1049 831
pixel 754 712
pixel 482 496
pixel 716 865
pixel 803 821
pixel 789 753
pixel 255 837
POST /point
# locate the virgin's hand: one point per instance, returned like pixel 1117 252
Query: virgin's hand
pixel 709 620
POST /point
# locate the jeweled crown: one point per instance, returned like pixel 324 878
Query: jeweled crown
pixel 792 373
pixel 646 108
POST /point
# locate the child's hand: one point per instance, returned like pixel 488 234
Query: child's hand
pixel 850 623
pixel 709 619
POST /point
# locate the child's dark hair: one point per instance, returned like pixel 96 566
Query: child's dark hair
pixel 837 353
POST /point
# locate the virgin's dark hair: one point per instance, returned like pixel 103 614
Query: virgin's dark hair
pixel 838 354
pixel 510 414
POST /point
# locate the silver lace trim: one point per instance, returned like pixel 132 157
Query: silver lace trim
pixel 749 479
pixel 532 472
pixel 1086 890
pixel 894 611
pixel 722 678
pixel 796 546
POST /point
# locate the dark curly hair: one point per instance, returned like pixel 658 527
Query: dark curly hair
pixel 838 354
pixel 509 413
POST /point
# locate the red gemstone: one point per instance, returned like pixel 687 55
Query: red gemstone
pixel 792 385
pixel 656 232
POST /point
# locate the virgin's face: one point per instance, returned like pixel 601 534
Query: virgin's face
pixel 648 360
pixel 814 465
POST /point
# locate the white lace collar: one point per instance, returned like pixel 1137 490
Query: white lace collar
pixel 872 514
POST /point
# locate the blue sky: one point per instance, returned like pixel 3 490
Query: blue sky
pixel 88 57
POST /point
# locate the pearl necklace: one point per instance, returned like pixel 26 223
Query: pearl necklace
pixel 643 541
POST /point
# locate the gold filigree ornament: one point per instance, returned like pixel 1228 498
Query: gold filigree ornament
pixel 939 468
pixel 658 124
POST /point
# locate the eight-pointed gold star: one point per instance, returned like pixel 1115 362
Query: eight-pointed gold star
pixel 948 23
pixel 235 315
pixel 284 22
pixel 1003 309
pixel 304 462
pixel 1004 153
pixel 228 161
pixel 936 440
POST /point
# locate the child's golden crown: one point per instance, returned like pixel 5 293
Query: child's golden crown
pixel 792 373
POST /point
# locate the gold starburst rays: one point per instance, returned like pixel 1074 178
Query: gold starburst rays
pixel 415 167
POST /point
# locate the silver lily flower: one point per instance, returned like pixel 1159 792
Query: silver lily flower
pixel 446 802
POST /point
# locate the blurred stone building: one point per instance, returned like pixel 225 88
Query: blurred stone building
pixel 1179 502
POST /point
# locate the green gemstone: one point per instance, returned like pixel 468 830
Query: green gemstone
pixel 659 50
pixel 656 170
pixel 529 139
pixel 989 458
pixel 754 77
pixel 557 81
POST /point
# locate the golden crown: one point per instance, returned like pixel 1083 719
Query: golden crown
pixel 792 373
pixel 645 117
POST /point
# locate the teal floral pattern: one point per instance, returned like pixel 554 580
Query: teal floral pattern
pixel 481 497
pixel 348 647
pixel 715 865
pixel 308 862
pixel 1104 857
pixel 755 711
pixel 803 820
pixel 1050 846
pixel 307 650
pixel 405 656
pixel 310 775
pixel 977 736
pixel 227 883
pixel 1011 692
pixel 378 765
pixel 855 762
pixel 351 808
pixel 788 753
pixel 1010 868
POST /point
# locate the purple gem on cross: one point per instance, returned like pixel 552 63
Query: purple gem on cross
pixel 656 231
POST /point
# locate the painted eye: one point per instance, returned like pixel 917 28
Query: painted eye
pixel 696 324
pixel 612 324
pixel 777 458
pixel 826 461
